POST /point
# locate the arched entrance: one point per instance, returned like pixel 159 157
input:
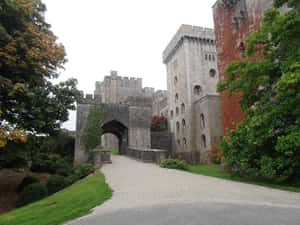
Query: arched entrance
pixel 120 131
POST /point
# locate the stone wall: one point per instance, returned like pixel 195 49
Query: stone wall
pixel 234 21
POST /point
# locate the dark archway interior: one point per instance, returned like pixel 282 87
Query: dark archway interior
pixel 120 131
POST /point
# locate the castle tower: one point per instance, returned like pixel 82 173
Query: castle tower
pixel 192 76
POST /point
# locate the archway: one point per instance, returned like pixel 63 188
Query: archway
pixel 120 131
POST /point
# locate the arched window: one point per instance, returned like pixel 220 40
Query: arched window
pixel 182 108
pixel 197 90
pixel 202 120
pixel 203 141
pixel 177 111
pixel 175 79
pixel 212 72
pixel 176 97
pixel 171 114
pixel 178 142
pixel 213 57
pixel 177 126
pixel 209 57
pixel 183 125
pixel 205 56
pixel 184 142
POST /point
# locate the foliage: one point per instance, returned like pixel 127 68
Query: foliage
pixel 26 181
pixel 216 154
pixel 174 164
pixel 13 155
pixel 115 151
pixel 159 123
pixel 54 164
pixel 61 143
pixel 82 170
pixel 57 183
pixel 267 142
pixel 29 58
pixel 75 201
pixel 33 192
pixel 7 133
pixel 92 131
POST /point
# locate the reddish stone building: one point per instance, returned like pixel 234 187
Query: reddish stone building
pixel 234 20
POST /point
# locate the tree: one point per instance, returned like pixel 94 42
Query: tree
pixel 29 58
pixel 92 131
pixel 267 142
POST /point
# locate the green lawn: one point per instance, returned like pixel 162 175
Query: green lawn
pixel 114 151
pixel 214 171
pixel 72 202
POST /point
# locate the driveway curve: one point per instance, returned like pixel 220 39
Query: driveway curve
pixel 147 187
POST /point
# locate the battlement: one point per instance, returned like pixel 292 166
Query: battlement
pixel 90 99
pixel 203 34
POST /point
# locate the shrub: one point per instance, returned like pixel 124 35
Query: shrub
pixel 57 183
pixel 159 123
pixel 59 165
pixel 26 181
pixel 82 170
pixel 174 164
pixel 40 163
pixel 216 154
pixel 55 164
pixel 31 193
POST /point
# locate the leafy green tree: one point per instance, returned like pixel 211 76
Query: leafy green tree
pixel 267 142
pixel 29 58
pixel 92 132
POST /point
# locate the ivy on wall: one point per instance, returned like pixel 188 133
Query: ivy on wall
pixel 92 132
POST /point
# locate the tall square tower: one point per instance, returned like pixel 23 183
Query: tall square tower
pixel 192 76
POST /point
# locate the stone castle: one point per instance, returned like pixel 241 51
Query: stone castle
pixel 195 60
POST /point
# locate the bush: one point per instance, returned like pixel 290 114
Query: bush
pixel 216 154
pixel 57 183
pixel 59 165
pixel 31 193
pixel 174 164
pixel 40 163
pixel 26 181
pixel 55 164
pixel 82 170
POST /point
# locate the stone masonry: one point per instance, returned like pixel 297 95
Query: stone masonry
pixel 193 103
pixel 234 20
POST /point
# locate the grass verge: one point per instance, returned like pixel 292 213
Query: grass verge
pixel 70 203
pixel 114 151
pixel 214 171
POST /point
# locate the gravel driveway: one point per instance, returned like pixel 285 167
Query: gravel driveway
pixel 146 186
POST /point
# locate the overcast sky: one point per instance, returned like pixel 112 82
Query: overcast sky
pixel 124 35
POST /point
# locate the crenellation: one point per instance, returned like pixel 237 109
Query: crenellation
pixel 191 33
pixel 91 99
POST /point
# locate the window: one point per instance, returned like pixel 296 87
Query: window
pixel 202 120
pixel 177 111
pixel 203 141
pixel 205 56
pixel 171 113
pixel 178 142
pixel 184 142
pixel 197 90
pixel 176 97
pixel 212 72
pixel 183 125
pixel 209 57
pixel 177 126
pixel 182 108
pixel 175 79
pixel 213 57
